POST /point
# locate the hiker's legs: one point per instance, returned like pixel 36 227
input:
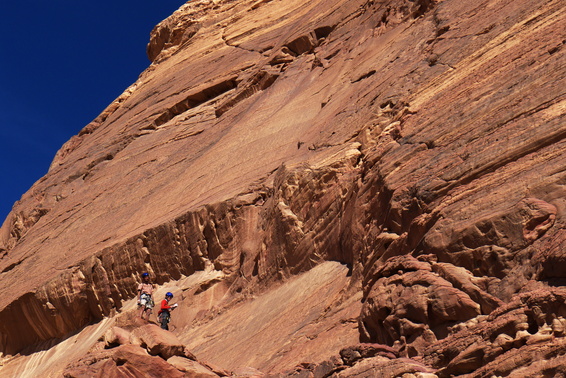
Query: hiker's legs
pixel 165 322
pixel 143 302
pixel 146 305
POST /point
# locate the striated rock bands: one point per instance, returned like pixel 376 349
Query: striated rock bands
pixel 419 144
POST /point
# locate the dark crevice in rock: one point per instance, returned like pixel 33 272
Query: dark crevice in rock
pixel 364 76
pixel 11 266
pixel 420 7
pixel 557 48
pixel 196 99
pixel 323 31
pixel 442 30
pixel 320 146
pixel 259 82
pixel 306 43
pixel 302 45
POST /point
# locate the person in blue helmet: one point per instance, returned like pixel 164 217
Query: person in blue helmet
pixel 164 314
pixel 145 296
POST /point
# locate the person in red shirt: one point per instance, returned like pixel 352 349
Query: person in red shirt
pixel 164 314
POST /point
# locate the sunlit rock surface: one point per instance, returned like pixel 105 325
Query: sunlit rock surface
pixel 412 151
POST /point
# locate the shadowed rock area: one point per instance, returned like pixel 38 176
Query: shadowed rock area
pixel 330 189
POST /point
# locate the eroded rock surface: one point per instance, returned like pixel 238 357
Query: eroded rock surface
pixel 126 360
pixel 418 145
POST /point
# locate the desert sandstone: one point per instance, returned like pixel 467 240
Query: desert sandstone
pixel 338 188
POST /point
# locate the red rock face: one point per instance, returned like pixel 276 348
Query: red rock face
pixel 419 143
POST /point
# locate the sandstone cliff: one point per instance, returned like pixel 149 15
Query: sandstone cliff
pixel 417 143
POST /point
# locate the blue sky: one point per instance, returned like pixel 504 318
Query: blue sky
pixel 61 63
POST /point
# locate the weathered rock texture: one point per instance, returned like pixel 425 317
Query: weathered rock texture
pixel 419 143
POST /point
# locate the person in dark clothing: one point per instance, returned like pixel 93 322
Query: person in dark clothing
pixel 164 314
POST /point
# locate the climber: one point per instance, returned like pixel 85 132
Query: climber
pixel 164 314
pixel 145 299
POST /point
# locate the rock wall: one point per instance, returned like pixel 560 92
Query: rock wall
pixel 418 142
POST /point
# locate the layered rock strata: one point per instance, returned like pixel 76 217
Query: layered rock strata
pixel 419 143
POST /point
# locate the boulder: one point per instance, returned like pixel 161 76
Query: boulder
pixel 159 342
pixel 116 336
pixel 122 361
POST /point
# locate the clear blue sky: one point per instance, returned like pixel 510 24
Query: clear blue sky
pixel 61 63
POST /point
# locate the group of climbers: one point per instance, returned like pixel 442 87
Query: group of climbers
pixel 146 304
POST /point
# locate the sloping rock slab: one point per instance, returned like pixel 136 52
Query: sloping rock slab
pixel 191 368
pixel 288 324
